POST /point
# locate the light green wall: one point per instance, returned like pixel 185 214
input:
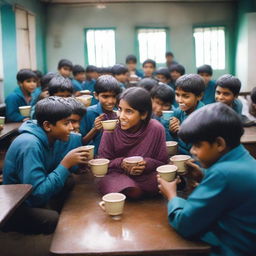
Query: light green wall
pixel 9 39
pixel 66 24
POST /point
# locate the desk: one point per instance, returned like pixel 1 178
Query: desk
pixel 84 229
pixel 9 129
pixel 249 140
pixel 11 196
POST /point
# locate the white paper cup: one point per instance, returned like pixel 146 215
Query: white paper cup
pixel 109 125
pixel 167 172
pixel 85 92
pixel 172 147
pixel 167 114
pixel 91 151
pixel 113 203
pixel 2 120
pixel 99 166
pixel 85 99
pixel 179 161
pixel 25 110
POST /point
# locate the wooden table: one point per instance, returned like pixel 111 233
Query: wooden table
pixel 9 129
pixel 249 140
pixel 84 229
pixel 11 196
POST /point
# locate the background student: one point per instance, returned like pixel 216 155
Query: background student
pixel 78 79
pixel 149 67
pixel 65 68
pixel 120 73
pixel 60 86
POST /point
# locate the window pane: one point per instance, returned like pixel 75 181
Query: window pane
pixel 210 46
pixel 101 47
pixel 152 44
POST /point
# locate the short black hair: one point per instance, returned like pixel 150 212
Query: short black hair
pixel 59 84
pixel 91 68
pixel 25 74
pixel 119 69
pixel 253 95
pixel 191 83
pixel 139 99
pixel 149 61
pixel 65 63
pixel 38 73
pixel 147 83
pixel 52 109
pixel 131 58
pixel 178 68
pixel 230 82
pixel 164 93
pixel 107 83
pixel 164 71
pixel 169 54
pixel 45 80
pixel 77 107
pixel 212 121
pixel 205 69
pixel 78 69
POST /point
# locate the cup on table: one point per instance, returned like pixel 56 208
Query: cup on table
pixel 133 161
pixel 99 166
pixel 167 114
pixel 25 110
pixel 85 99
pixel 109 125
pixel 2 120
pixel 85 92
pixel 113 203
pixel 90 148
pixel 167 172
pixel 172 147
pixel 179 161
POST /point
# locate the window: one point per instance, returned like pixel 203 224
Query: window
pixel 210 46
pixel 152 44
pixel 100 44
pixel 26 39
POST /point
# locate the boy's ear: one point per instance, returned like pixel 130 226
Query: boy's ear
pixel 47 126
pixel 95 95
pixel 221 144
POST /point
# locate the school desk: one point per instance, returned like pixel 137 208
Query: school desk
pixel 11 196
pixel 9 129
pixel 249 140
pixel 84 229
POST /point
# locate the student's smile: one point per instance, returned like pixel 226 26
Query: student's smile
pixel 107 100
pixel 224 95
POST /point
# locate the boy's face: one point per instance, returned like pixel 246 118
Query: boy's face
pixel 92 75
pixel 107 100
pixel 131 66
pixel 207 153
pixel 169 59
pixel 75 121
pixel 65 71
pixel 61 130
pixel 224 95
pixel 175 75
pixel 158 106
pixel 187 100
pixel 80 77
pixel 64 94
pixel 148 69
pixel 123 78
pixel 162 78
pixel 207 78
pixel 29 85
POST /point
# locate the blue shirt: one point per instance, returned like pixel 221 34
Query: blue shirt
pixel 237 106
pixel 77 85
pixel 13 101
pixel 222 209
pixel 139 73
pixel 165 124
pixel 209 93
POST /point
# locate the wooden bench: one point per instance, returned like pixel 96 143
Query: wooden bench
pixel 249 140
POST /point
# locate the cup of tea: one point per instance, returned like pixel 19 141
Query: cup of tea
pixel 85 99
pixel 85 92
pixel 99 166
pixel 2 120
pixel 167 172
pixel 90 148
pixel 167 114
pixel 172 147
pixel 113 203
pixel 109 125
pixel 25 110
pixel 179 161
pixel 133 161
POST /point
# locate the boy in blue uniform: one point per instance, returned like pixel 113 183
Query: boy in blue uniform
pixel 205 72
pixel 227 91
pixel 221 210
pixel 89 84
pixel 120 73
pixel 60 86
pixel 131 63
pixel 106 91
pixel 163 75
pixel 188 94
pixel 79 79
pixel 162 97
pixel 31 160
pixel 22 96
pixel 169 56
pixel 65 68
pixel 149 68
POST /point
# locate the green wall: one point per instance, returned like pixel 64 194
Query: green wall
pixel 9 39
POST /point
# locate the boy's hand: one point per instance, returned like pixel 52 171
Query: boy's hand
pixel 194 172
pixel 97 122
pixel 168 189
pixel 76 156
pixel 174 125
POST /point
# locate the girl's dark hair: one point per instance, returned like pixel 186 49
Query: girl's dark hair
pixel 212 121
pixel 139 99
pixel 25 74
pixel 52 109
pixel 107 83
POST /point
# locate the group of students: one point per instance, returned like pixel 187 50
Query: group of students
pixel 221 210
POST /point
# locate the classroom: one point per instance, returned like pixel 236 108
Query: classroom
pixel 127 127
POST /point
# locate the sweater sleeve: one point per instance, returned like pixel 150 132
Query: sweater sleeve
pixel 12 109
